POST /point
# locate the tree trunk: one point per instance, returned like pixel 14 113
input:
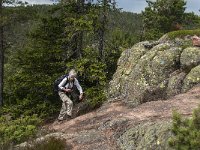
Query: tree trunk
pixel 101 44
pixel 102 31
pixel 1 55
pixel 77 44
pixel 81 5
pixel 80 44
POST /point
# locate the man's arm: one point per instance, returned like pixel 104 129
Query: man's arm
pixel 62 84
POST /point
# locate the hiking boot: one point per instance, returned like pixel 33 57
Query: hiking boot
pixel 60 119
pixel 68 117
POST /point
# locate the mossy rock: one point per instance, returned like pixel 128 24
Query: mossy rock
pixel 146 71
pixel 175 84
pixel 192 78
pixel 148 79
pixel 146 136
pixel 183 33
pixel 129 58
pixel 164 63
pixel 190 58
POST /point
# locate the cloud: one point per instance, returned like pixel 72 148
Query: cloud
pixel 39 1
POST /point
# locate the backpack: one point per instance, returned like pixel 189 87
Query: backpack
pixel 57 82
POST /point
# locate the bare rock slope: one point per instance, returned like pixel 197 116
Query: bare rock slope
pixel 115 126
pixel 138 114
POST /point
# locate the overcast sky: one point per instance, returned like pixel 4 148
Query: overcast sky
pixel 135 5
pixel 139 5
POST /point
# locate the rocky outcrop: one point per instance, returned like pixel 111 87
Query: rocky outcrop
pixel 147 75
pixel 115 126
pixel 155 70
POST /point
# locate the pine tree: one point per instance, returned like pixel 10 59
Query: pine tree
pixel 162 16
pixel 1 54
pixel 79 17
pixel 104 10
pixel 186 131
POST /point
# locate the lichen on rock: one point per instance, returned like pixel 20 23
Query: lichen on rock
pixel 192 78
pixel 190 58
pixel 149 136
pixel 175 83
pixel 146 71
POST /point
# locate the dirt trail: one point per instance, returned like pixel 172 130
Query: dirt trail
pixel 97 130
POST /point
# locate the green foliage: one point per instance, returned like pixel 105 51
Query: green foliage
pixel 49 46
pixel 186 131
pixel 22 108
pixel 39 48
pixel 32 68
pixel 38 65
pixel 19 122
pixel 18 129
pixel 91 71
pixel 49 144
pixel 18 22
pixel 95 96
pixel 191 21
pixel 182 33
pixel 92 75
pixel 162 16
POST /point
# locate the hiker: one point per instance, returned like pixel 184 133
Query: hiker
pixel 67 92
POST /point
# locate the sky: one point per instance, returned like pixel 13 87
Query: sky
pixel 139 5
pixel 134 5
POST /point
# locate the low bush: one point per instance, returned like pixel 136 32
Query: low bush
pixel 15 131
pixel 182 33
pixel 49 144
pixel 186 132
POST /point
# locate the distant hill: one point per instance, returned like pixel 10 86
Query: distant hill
pixel 22 19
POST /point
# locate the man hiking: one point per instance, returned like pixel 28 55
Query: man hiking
pixel 67 92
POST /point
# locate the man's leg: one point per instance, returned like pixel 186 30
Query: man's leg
pixel 63 111
pixel 67 106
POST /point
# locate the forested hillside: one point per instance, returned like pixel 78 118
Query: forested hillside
pixel 38 50
pixel 43 42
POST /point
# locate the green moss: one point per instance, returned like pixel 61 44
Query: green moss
pixel 186 44
pixel 175 84
pixel 190 57
pixel 182 33
pixel 192 79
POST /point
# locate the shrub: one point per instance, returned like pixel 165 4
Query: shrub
pixel 182 33
pixel 17 130
pixel 95 97
pixel 186 131
pixel 25 108
pixel 49 144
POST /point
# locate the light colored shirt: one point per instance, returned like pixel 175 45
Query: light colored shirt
pixel 70 84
